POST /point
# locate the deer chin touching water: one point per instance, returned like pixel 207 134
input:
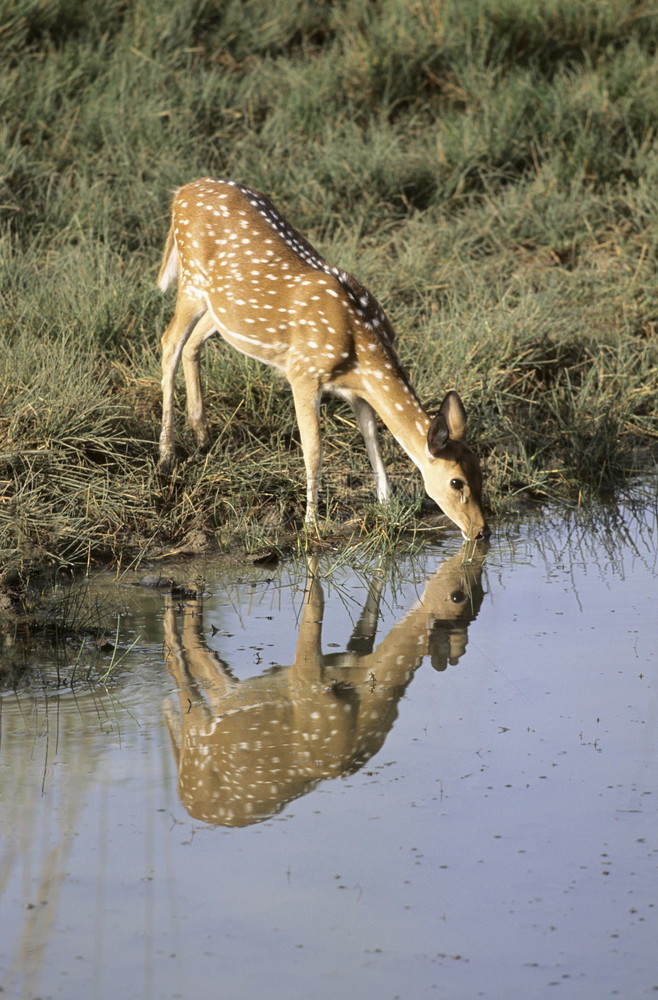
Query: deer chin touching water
pixel 244 749
pixel 245 273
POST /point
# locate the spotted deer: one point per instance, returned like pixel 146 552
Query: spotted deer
pixel 244 749
pixel 245 273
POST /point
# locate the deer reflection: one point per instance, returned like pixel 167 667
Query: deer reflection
pixel 246 748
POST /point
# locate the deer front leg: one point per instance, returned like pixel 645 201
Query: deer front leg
pixel 173 342
pixel 362 640
pixel 196 413
pixel 365 418
pixel 307 668
pixel 307 411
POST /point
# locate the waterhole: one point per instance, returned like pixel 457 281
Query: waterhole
pixel 429 776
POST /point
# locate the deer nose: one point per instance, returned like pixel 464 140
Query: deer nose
pixel 484 532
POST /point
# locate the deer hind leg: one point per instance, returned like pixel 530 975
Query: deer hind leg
pixel 365 418
pixel 202 679
pixel 186 315
pixel 196 414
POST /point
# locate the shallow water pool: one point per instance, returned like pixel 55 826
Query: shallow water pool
pixel 434 778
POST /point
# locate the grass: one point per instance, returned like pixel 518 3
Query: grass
pixel 488 169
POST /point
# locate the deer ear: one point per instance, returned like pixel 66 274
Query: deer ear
pixel 453 410
pixel 437 435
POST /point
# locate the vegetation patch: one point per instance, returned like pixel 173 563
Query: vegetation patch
pixel 487 169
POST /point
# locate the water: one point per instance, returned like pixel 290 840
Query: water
pixel 276 806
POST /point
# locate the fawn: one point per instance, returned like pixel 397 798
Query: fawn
pixel 245 273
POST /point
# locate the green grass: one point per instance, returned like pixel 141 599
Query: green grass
pixel 487 167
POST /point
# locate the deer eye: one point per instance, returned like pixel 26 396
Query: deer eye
pixel 457 484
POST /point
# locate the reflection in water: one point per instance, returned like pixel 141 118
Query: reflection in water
pixel 108 889
pixel 246 748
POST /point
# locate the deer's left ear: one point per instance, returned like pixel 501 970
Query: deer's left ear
pixel 448 425
pixel 453 410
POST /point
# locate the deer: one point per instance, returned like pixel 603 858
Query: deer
pixel 245 273
pixel 245 749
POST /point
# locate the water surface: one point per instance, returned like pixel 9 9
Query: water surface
pixel 269 797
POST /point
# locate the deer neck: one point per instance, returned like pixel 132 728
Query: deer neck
pixel 383 383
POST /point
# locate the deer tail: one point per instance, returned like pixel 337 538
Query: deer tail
pixel 169 265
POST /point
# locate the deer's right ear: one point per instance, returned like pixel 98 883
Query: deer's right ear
pixel 437 435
